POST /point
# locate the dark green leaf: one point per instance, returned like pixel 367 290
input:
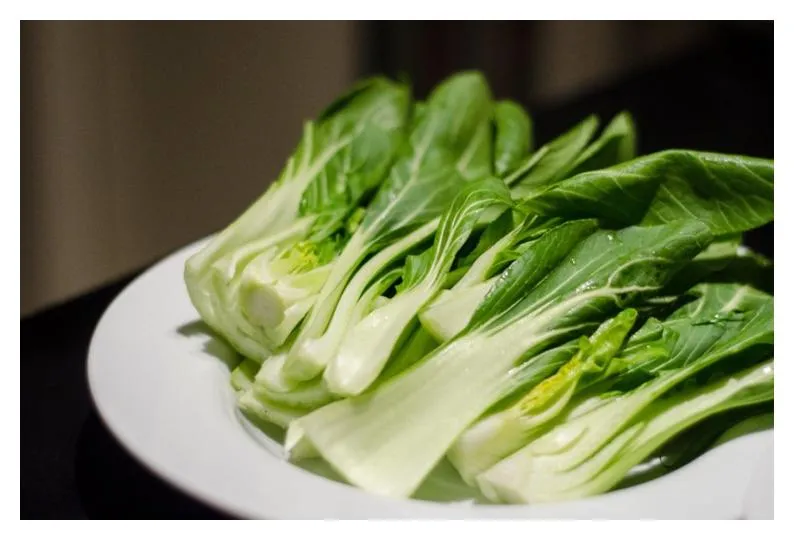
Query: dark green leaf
pixel 540 257
pixel 609 270
pixel 449 144
pixel 513 139
pixel 552 160
pixel 618 143
pixel 730 194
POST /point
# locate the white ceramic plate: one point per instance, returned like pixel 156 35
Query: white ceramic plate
pixel 162 388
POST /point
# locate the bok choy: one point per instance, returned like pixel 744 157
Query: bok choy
pixel 254 281
pixel 449 144
pixel 426 288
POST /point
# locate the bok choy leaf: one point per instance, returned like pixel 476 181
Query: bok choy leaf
pixel 371 439
pixel 742 200
pixel 450 144
pixel 341 159
pixel 592 452
pixel 369 344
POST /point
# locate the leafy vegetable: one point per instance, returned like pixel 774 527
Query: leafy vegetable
pixel 500 434
pixel 576 455
pixel 369 344
pixel 552 160
pixel 270 381
pixel 730 194
pixel 538 473
pixel 370 439
pixel 566 155
pixel 725 261
pixel 573 153
pixel 449 144
pixel 602 363
pixel 617 144
pixel 734 194
pixel 513 141
pixel 422 294
pixel 299 223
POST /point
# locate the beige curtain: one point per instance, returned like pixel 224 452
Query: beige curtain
pixel 138 138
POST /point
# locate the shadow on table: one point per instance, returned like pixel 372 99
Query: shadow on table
pixel 112 485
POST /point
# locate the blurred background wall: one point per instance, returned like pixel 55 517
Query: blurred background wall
pixel 139 137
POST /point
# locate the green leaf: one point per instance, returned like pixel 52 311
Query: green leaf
pixel 730 194
pixel 540 257
pixel 449 144
pixel 446 148
pixel 545 471
pixel 369 343
pixel 444 318
pixel 419 344
pixel 714 258
pixel 531 371
pixel 513 140
pixel 612 269
pixel 451 311
pixel 460 218
pixel 550 163
pixel 502 433
pixel 590 453
pixel 490 235
pixel 726 261
pixel 718 311
pixel 618 143
pixel 367 438
pixel 340 160
pixel 588 195
pixel 416 266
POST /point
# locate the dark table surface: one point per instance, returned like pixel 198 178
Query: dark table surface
pixel 71 467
